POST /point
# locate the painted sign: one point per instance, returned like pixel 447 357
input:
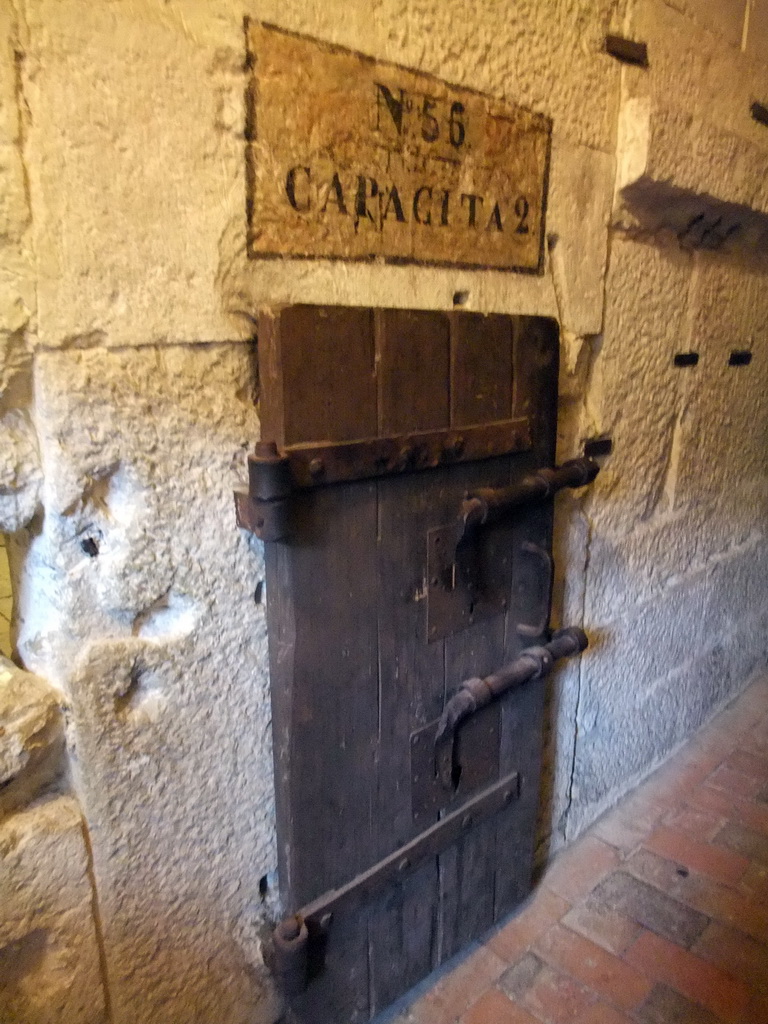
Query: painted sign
pixel 354 158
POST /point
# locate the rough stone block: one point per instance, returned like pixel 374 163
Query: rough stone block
pixel 20 472
pixel 724 17
pixel 137 596
pixel 645 318
pixel 135 157
pixel 31 735
pixel 757 32
pixel 49 957
pixel 578 213
pixel 685 123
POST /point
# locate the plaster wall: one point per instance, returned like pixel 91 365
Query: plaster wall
pixel 128 379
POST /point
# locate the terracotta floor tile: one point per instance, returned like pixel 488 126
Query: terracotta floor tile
pixel 601 1013
pixel 697 979
pixel 510 941
pixel 722 865
pixel 756 1010
pixel 605 927
pixel 665 1006
pixel 738 954
pixel 557 999
pixel 493 1007
pixel 750 764
pixel 696 823
pixel 608 976
pixel 651 907
pixel 578 869
pixel 735 783
pixel 516 981
pixel 743 908
pixel 456 991
pixel 627 825
pixel 744 841
pixel 745 812
pixel 754 884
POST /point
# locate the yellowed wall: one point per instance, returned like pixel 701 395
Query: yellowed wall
pixel 127 370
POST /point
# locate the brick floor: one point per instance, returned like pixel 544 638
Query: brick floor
pixel 658 915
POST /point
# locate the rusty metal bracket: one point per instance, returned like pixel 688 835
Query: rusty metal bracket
pixel 465 584
pixel 299 940
pixel 266 508
pixel 312 465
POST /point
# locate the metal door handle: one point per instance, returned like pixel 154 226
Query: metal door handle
pixel 532 663
pixel 492 504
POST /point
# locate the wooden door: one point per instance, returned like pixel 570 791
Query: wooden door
pixel 387 418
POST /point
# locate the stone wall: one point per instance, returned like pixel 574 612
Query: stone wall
pixel 128 378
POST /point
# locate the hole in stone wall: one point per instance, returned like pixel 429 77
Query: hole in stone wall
pixel 258 594
pixel 90 546
pixel 460 298
pixel 263 886
pixel 686 358
pixel 740 357
pixel 598 446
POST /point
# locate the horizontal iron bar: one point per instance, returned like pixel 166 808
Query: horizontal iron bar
pixel 426 845
pixel 491 504
pixel 531 663
pixel 336 462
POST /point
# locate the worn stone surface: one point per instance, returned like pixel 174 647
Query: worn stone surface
pixel 31 735
pixel 139 231
pixel 685 121
pixel 49 958
pixel 137 598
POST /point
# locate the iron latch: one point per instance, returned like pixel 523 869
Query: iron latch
pixel 477 693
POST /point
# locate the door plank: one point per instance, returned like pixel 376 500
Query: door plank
pixel 481 368
pixel 413 366
pixel 329 373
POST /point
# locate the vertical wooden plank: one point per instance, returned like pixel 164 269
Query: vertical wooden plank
pixel 481 376
pixel 522 715
pixel 521 747
pixel 323 659
pixel 329 373
pixel 413 359
pixel 411 671
pixel 270 378
pixel 334 684
pixel 467 869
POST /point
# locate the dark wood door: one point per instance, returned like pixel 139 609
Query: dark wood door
pixel 367 638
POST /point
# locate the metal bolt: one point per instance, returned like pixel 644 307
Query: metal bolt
pixel 325 921
pixel 404 456
pixel 466 821
pixel 403 865
pixel 316 467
